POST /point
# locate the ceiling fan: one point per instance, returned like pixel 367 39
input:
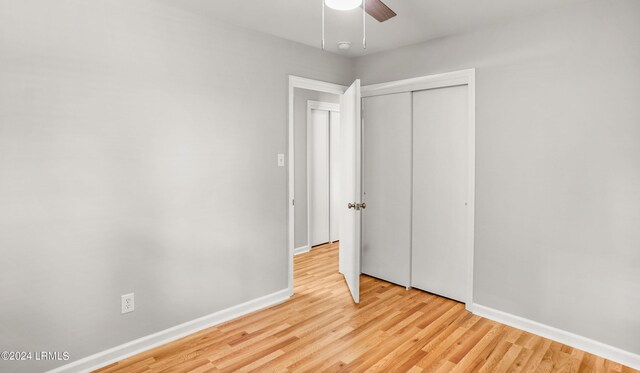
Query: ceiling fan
pixel 375 8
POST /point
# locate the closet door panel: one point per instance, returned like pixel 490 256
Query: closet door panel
pixel 318 177
pixel 440 187
pixel 386 230
pixel 334 177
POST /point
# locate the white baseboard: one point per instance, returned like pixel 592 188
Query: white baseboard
pixel 589 345
pixel 139 345
pixel 301 250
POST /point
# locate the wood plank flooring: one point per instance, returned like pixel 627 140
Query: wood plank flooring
pixel 392 330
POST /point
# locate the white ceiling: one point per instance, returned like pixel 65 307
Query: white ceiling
pixel 417 20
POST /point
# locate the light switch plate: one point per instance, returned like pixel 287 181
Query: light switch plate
pixel 280 160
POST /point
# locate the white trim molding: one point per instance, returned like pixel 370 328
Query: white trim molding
pixel 576 341
pixel 314 85
pixel 301 250
pixel 451 79
pixel 321 105
pixel 148 342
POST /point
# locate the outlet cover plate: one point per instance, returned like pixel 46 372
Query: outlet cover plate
pixel 127 303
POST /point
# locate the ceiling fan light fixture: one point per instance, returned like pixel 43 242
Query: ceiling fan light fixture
pixel 343 4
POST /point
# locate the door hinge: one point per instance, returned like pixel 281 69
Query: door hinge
pixel 293 202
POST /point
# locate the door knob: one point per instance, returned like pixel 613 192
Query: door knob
pixel 357 206
pixel 351 205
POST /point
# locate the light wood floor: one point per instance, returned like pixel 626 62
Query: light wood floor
pixel 392 330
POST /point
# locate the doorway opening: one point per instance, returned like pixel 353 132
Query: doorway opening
pixel 313 106
pixel 324 173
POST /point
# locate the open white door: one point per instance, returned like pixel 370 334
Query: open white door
pixel 350 188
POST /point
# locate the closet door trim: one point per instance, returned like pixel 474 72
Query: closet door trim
pixel 451 79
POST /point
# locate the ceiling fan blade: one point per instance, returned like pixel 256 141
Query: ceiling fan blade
pixel 379 10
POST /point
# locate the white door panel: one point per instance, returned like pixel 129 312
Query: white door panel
pixel 318 181
pixel 440 191
pixel 334 178
pixel 350 187
pixel 386 222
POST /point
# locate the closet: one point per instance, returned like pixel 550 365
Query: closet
pixel 322 172
pixel 416 187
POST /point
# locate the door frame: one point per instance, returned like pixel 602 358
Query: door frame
pixel 317 105
pixel 451 79
pixel 313 85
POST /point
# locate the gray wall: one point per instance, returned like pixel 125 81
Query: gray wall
pixel 558 163
pixel 137 154
pixel 301 96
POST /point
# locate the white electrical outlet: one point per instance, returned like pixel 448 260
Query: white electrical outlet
pixel 280 160
pixel 127 303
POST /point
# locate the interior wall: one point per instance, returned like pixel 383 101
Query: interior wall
pixel 557 162
pixel 138 149
pixel 300 98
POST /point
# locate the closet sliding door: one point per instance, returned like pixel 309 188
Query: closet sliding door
pixel 334 176
pixel 440 191
pixel 386 222
pixel 318 177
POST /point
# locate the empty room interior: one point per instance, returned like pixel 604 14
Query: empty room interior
pixel 319 186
